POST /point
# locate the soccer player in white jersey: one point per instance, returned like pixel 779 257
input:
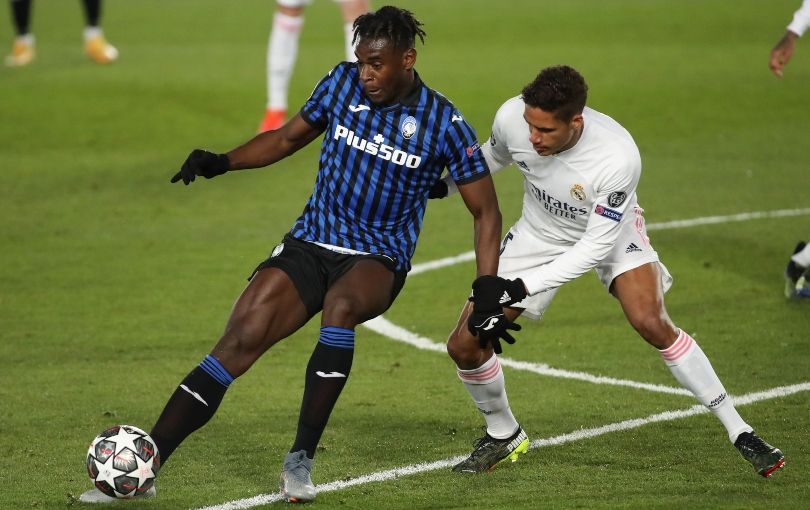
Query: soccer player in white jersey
pixel 781 53
pixel 282 50
pixel 581 169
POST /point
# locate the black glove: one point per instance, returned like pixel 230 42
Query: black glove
pixel 202 162
pixel 487 321
pixel 438 190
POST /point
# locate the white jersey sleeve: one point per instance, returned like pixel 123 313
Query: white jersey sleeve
pixel 801 19
pixel 496 154
pixel 495 150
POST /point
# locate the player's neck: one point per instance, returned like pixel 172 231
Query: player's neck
pixel 408 87
pixel 576 135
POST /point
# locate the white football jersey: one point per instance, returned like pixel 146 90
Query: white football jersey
pixel 577 197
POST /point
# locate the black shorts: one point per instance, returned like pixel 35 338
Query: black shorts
pixel 313 269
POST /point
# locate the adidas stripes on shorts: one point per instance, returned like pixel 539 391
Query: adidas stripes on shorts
pixel 522 251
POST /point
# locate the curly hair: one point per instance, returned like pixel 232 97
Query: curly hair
pixel 560 90
pixel 392 23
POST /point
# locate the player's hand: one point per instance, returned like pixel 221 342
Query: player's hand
pixel 438 190
pixel 204 163
pixel 492 329
pixel 781 53
pixel 487 321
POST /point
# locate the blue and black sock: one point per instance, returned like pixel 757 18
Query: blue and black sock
pixel 327 373
pixel 193 403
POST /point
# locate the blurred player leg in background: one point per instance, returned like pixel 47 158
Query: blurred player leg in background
pixel 22 52
pixel 282 50
pixel 797 272
pixel 95 45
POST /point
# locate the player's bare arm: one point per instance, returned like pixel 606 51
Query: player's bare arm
pixel 262 150
pixel 267 148
pixel 482 202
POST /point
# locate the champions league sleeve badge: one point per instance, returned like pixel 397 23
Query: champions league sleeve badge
pixel 408 127
pixel 616 198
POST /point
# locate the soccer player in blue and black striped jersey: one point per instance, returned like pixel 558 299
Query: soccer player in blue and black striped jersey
pixel 387 137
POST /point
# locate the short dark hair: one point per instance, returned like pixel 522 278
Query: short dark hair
pixel 560 90
pixel 397 25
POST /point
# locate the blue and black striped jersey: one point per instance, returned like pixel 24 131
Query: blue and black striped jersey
pixel 378 163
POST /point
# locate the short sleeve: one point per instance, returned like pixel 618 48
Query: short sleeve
pixel 316 109
pixel 462 153
pixel 496 151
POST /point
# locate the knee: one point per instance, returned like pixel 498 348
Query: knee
pixel 345 312
pixel 463 348
pixel 656 328
pixel 239 347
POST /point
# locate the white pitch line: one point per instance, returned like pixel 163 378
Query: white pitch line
pixel 694 222
pixel 387 328
pixel 391 474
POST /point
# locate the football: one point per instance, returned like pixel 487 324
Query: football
pixel 123 461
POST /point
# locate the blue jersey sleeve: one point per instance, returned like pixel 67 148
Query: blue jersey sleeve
pixel 463 156
pixel 318 107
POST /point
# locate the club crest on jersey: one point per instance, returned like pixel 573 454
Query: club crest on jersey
pixel 408 127
pixel 578 192
pixel 616 198
pixel 610 214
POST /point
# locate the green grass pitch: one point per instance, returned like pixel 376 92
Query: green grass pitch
pixel 114 283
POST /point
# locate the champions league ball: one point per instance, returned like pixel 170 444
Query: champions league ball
pixel 123 461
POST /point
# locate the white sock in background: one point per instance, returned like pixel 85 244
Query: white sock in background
pixel 348 33
pixel 803 257
pixel 282 50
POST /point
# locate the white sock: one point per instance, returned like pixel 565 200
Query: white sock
pixel 487 388
pixel 692 369
pixel 348 31
pixel 28 39
pixel 92 33
pixel 282 50
pixel 803 257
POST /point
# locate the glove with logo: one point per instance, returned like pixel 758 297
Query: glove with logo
pixel 204 163
pixel 487 321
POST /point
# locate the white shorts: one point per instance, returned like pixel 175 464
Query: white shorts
pixel 293 4
pixel 522 251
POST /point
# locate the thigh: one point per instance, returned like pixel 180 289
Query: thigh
pixel 521 252
pixel 361 293
pixel 632 250
pixel 639 289
pixel 641 294
pixel 268 310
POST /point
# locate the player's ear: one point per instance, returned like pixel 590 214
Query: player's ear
pixel 409 59
pixel 577 121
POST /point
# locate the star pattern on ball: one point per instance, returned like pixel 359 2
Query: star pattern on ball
pixel 124 439
pixel 107 471
pixel 144 471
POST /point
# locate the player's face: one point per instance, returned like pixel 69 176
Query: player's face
pixel 385 71
pixel 550 135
